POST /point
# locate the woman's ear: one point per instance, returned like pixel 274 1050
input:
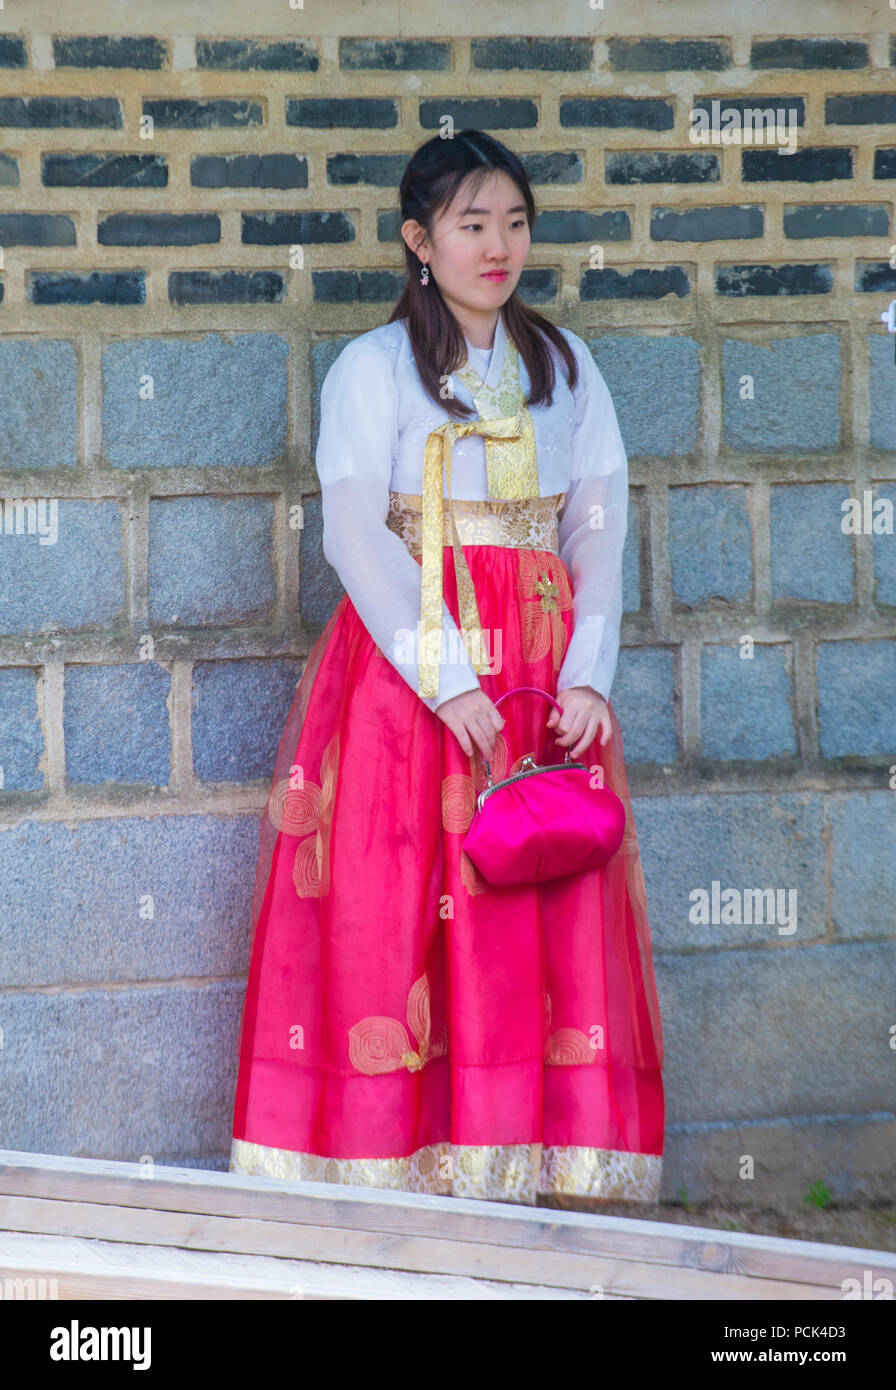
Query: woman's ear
pixel 414 235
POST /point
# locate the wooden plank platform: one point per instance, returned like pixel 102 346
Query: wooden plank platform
pixel 104 1230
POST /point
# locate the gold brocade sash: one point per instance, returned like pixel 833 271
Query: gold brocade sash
pixel 439 448
pixel 512 469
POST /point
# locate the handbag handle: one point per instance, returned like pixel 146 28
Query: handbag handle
pixel 518 690
pixel 535 690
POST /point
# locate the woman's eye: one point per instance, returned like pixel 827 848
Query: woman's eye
pixel 467 226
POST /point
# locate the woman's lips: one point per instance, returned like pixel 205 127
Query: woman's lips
pixel 496 275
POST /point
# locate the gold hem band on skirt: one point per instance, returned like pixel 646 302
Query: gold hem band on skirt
pixel 494 1172
pixel 526 523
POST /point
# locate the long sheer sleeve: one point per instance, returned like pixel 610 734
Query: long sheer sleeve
pixel 358 440
pixel 592 528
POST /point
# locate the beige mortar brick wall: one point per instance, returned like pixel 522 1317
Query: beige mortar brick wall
pixel 698 313
pixel 325 23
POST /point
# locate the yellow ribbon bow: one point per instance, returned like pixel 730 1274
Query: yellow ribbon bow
pixel 439 448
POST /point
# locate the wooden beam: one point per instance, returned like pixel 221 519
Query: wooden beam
pixel 559 1269
pixel 324 1223
pixel 96 1269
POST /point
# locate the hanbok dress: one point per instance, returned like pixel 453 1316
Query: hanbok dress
pixel 406 1025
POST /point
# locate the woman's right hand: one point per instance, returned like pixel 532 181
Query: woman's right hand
pixel 472 717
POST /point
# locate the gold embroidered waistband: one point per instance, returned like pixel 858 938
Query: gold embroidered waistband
pixel 523 524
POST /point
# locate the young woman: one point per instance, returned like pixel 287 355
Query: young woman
pixel 406 1024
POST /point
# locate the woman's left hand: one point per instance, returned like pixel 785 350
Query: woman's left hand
pixel 584 712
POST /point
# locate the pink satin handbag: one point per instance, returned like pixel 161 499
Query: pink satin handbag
pixel 543 822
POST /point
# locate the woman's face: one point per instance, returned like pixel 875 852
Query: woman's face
pixel 475 239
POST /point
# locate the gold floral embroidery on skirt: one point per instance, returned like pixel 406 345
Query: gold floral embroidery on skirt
pixel 544 593
pixel 380 1044
pixel 460 789
pixel 297 806
pixel 565 1047
pixel 459 793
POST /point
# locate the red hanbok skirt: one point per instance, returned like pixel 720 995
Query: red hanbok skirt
pixel 406 1025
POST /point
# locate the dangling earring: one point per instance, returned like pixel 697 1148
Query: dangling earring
pixel 424 274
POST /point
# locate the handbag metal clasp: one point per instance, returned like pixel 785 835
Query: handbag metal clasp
pixel 527 762
pixel 528 765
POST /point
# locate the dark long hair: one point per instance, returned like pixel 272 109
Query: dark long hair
pixel 430 181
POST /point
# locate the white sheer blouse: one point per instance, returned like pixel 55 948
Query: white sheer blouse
pixel 375 417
